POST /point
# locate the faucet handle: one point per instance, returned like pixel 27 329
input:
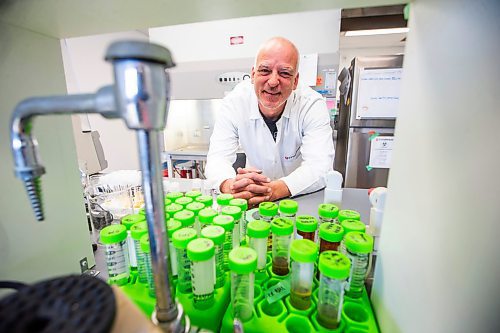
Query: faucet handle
pixel 142 87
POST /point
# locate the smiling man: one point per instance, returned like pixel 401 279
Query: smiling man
pixel 282 126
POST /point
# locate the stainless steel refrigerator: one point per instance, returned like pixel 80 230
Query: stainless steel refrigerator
pixel 367 117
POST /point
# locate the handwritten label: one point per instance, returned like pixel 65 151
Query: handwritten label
pixel 278 291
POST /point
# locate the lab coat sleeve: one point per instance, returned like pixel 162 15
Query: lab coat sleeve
pixel 223 146
pixel 317 151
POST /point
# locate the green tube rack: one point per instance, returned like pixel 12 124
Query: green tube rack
pixel 279 316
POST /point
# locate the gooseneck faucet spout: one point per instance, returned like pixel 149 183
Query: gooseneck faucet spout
pixel 140 97
pixel 24 145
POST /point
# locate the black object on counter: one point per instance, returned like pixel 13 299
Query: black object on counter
pixel 68 304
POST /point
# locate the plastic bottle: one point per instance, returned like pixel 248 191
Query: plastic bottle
pixel 172 209
pixel 193 194
pixel 174 195
pixel 207 200
pixel 128 221
pixel 181 239
pixel 183 201
pixel 242 262
pixel 282 229
pixel 328 213
pixel 196 207
pixel 147 264
pixel 243 205
pixel 358 249
pixel 217 235
pixel 258 232
pixel 206 217
pixel 268 211
pixel 346 214
pixel 223 200
pixel 334 269
pixel 114 238
pixel 330 236
pixel 303 253
pixel 201 253
pixel 185 217
pixel 350 226
pixel 137 231
pixel 307 227
pixel 172 226
pixel 236 213
pixel 226 222
pixel 288 208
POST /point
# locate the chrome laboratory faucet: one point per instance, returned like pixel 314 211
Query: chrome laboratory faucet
pixel 140 97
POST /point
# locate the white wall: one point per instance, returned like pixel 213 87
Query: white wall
pixel 31 65
pixel 312 32
pixel 86 71
pixel 438 268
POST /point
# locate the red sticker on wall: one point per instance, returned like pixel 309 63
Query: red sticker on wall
pixel 236 40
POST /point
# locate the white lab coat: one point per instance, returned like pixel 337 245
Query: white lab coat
pixel 302 154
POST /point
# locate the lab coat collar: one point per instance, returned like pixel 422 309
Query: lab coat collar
pixel 255 113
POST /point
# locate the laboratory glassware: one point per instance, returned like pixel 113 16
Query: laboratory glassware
pixel 303 253
pixel 207 200
pixel 268 211
pixel 328 213
pixel 114 238
pixel 137 231
pixel 330 236
pixel 128 221
pixel 307 227
pixel 206 216
pixel 242 262
pixel 181 239
pixel 226 222
pixel 196 207
pixel 243 205
pixel 236 213
pixel 217 235
pixel 359 246
pixel 282 229
pixel 185 217
pixel 172 226
pixel 223 200
pixel 201 252
pixel 147 264
pixel 346 214
pixel 258 232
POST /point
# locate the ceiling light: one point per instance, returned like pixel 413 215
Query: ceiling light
pixel 376 32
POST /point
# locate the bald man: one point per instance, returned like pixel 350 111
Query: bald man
pixel 282 126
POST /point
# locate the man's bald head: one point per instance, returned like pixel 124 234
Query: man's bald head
pixel 279 44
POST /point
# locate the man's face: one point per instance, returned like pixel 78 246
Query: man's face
pixel 274 77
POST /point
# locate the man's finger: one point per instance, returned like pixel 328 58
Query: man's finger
pixel 248 170
pixel 243 195
pixel 255 177
pixel 254 201
pixel 258 189
pixel 240 184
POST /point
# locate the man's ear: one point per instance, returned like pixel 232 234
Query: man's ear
pixel 252 74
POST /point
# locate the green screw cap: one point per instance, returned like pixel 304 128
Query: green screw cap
pixel 207 200
pixel 130 220
pixel 224 199
pixel 145 244
pixel 200 249
pixel 258 229
pixel 173 208
pixel 358 242
pixel 195 207
pixel 113 234
pixel 282 226
pixel 328 211
pixel 184 201
pixel 233 211
pixel 215 233
pixel 331 232
pixel 225 221
pixel 142 211
pixel 288 206
pixel 138 229
pixel 186 217
pixel 167 201
pixel 242 260
pixel 174 196
pixel 182 237
pixel 193 194
pixel 172 226
pixel 304 250
pixel 334 264
pixel 268 208
pixel 346 214
pixel 353 225
pixel 242 203
pixel 206 215
pixel 306 223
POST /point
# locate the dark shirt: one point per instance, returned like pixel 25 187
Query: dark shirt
pixel 271 124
